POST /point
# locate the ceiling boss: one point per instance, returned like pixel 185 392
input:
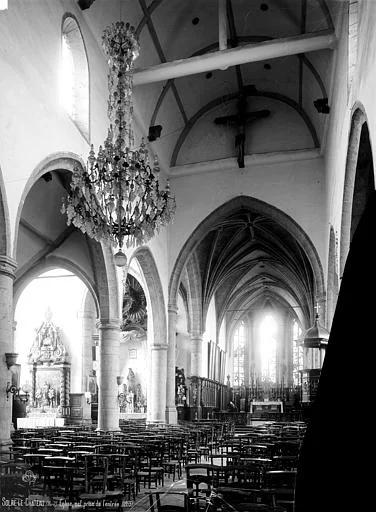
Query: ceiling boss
pixel 117 197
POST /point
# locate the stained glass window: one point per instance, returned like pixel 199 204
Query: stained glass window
pixel 297 352
pixel 268 349
pixel 238 355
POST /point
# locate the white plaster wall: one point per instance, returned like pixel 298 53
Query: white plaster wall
pixel 34 125
pixel 183 339
pixel 211 323
pixel 362 95
pixel 222 336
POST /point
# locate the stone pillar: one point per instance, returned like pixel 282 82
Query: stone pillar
pixel 289 351
pixel 95 348
pixel 7 269
pixel 158 381
pixel 171 412
pixel 196 354
pixel 109 354
pixel 87 329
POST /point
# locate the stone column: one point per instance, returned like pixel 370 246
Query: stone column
pixel 289 381
pixel 87 329
pixel 171 413
pixel 109 354
pixel 158 381
pixel 7 269
pixel 196 354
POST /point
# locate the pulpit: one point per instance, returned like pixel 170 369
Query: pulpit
pixel 310 381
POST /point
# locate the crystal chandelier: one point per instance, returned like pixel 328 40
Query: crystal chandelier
pixel 116 197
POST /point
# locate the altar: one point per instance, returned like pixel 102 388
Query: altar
pixel 40 422
pixel 132 416
pixel 49 365
pixel 266 406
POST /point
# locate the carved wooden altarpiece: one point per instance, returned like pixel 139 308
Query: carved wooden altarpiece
pixel 50 369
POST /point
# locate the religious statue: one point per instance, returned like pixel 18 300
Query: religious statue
pixel 181 389
pixel 47 347
pixel 51 397
pixel 140 399
pixel 131 379
pixel 240 120
pixel 129 402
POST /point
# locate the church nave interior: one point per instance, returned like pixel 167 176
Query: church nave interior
pixel 186 238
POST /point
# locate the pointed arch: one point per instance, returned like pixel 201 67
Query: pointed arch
pixel 359 179
pixel 155 291
pixel 5 242
pixel 259 207
pixel 105 283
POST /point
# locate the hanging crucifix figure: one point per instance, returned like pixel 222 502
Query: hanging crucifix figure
pixel 240 120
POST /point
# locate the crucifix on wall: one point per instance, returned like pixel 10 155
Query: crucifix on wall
pixel 240 121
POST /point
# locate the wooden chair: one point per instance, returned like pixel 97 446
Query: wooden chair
pixel 102 495
pixel 200 478
pixel 245 500
pixel 168 502
pixel 284 484
pixel 57 472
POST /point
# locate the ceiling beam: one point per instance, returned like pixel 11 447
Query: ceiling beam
pixel 276 48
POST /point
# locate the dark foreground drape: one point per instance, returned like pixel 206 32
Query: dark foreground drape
pixel 333 474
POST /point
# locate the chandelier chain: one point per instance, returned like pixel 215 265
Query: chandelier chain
pixel 117 197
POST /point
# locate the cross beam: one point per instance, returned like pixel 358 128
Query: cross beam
pixel 283 47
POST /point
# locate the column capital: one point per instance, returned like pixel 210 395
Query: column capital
pixel 196 336
pixel 159 347
pixel 8 266
pixel 172 307
pixel 108 324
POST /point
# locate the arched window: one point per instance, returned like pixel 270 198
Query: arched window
pixel 238 355
pixel 268 349
pixel 74 76
pixel 297 352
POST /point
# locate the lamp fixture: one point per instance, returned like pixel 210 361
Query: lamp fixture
pixel 321 105
pixel 10 359
pixel 154 132
pixel 85 4
pixel 15 391
pixel 116 198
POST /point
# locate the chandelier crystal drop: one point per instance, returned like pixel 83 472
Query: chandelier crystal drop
pixel 117 197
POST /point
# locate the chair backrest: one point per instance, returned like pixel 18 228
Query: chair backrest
pixel 168 501
pixel 234 496
pixel 198 474
pixel 103 472
pixel 278 478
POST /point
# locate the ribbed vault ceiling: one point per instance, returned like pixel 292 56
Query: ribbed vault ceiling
pixel 248 258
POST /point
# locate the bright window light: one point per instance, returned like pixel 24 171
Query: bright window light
pixel 238 355
pixel 268 348
pixel 67 77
